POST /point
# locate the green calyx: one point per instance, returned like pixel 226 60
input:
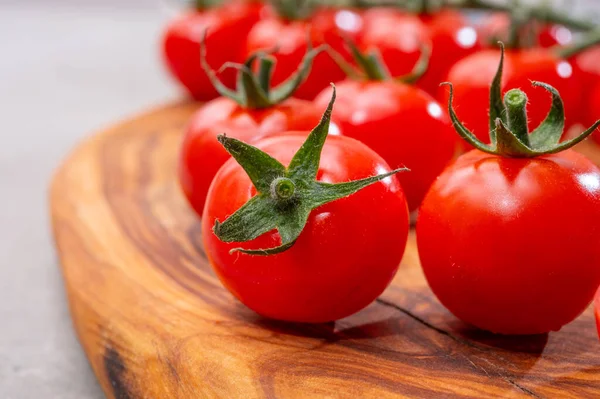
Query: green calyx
pixel 372 66
pixel 253 89
pixel 509 132
pixel 285 196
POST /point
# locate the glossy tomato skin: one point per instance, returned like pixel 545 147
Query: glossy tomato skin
pixel 452 39
pixel 290 40
pixel 346 256
pixel 472 77
pixel 202 155
pixel 496 26
pixel 403 124
pixel 226 29
pixel 512 245
pixel 397 36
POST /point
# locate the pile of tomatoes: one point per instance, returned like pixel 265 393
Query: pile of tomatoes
pixel 508 233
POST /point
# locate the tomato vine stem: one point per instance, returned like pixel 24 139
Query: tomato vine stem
pixel 590 40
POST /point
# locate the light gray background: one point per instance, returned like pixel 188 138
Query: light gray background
pixel 67 68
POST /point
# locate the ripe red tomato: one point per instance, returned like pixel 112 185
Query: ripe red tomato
pixel 344 258
pixel 496 26
pixel 326 26
pixel 226 29
pixel 402 123
pixel 399 38
pixel 472 76
pixel 511 245
pixel 201 154
pixel 452 39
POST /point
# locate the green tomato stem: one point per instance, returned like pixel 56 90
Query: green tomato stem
pixel 515 101
pixel 590 40
pixel 282 189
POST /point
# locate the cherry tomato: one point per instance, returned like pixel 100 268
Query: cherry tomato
pixel 399 37
pixel 511 245
pixel 201 154
pixel 226 29
pixel 288 38
pixel 452 39
pixel 344 258
pixel 496 27
pixel 472 76
pixel 402 123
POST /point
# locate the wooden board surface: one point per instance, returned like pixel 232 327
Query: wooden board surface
pixel 155 322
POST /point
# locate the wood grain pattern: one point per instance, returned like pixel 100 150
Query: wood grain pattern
pixel 156 323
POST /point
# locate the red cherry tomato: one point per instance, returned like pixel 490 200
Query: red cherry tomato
pixel 452 39
pixel 326 26
pixel 345 257
pixel 472 76
pixel 401 123
pixel 496 27
pixel 226 29
pixel 512 245
pixel 201 154
pixel 398 36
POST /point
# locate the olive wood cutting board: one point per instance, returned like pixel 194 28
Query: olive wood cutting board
pixel 155 322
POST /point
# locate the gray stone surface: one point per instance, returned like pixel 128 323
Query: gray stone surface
pixel 67 68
